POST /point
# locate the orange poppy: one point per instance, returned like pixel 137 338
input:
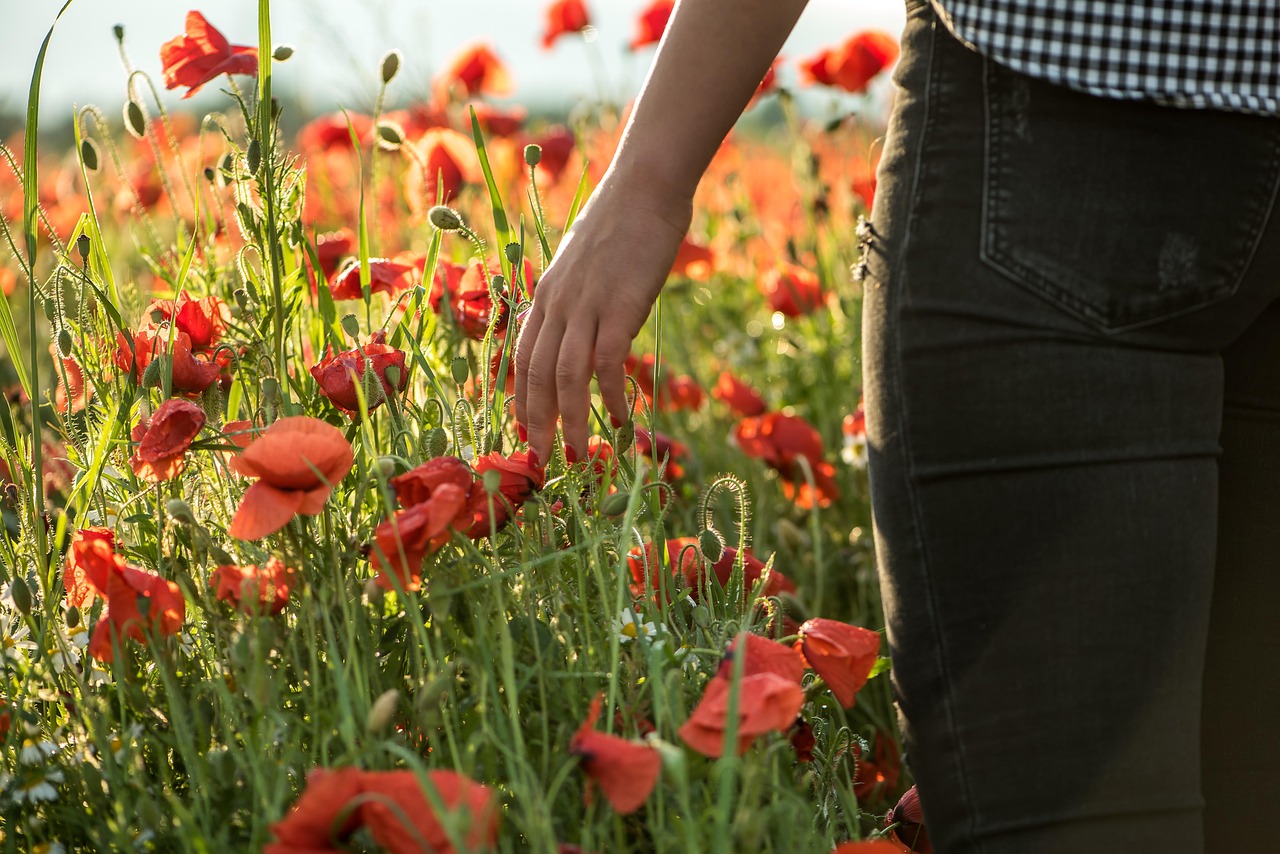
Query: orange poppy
pixel 499 122
pixel 693 261
pixel 90 558
pixel 332 132
pixel 792 290
pixel 401 542
pixel 203 320
pixel 763 656
pixel 691 567
pixel 851 65
pixel 740 397
pixel 391 805
pixel 910 829
pixel 781 440
pixel 189 373
pixel 563 17
pixel 386 275
pixel 125 586
pixel 475 70
pixel 296 462
pixel 202 53
pixel 651 23
pixel 767 703
pixel 625 771
pixel 163 441
pixel 337 375
pixel 253 590
pixel 870 846
pixel 445 158
pixel 72 393
pixel 841 654
pixel 470 301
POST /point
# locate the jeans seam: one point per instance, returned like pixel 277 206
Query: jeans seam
pixel 899 306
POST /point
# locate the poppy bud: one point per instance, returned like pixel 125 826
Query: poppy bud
pixel 390 136
pixel 381 711
pixel 82 246
pixel 711 544
pixel 445 218
pixel 134 120
pixel 387 466
pixel 430 697
pixel 241 296
pixel 276 108
pixel 514 251
pixel 50 309
pixel 624 437
pixel 282 53
pixel 791 535
pixel 179 511
pixel 793 607
pixel 228 166
pixel 21 594
pixel 151 376
pixel 89 154
pixel 533 154
pixel 118 30
pixel 209 174
pixel 615 505
pixel 253 157
pixel 72 617
pixel 702 616
pixel 270 390
pixel 64 341
pixel 390 65
pixel 460 369
pixel 392 374
pixel 492 481
pixel 351 325
pixel 437 442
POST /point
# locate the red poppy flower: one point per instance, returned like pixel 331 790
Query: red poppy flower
pixel 910 829
pixel 391 805
pixel 163 441
pixel 663 450
pixel 253 590
pixel 624 770
pixel 90 558
pixel 852 65
pixel 741 398
pixel 767 703
pixel 557 143
pixel 337 375
pixel 499 122
pixel 645 573
pixel 870 846
pixel 651 23
pixel 781 441
pixel 693 261
pixel 4 719
pixel 72 392
pixel 763 656
pixel 802 740
pixel 445 158
pixel 418 484
pixel 332 247
pixel 203 320
pixel 519 479
pixel 878 775
pixel 474 71
pixel 470 301
pixel 472 518
pixel 386 275
pixel 842 655
pixel 403 541
pixel 200 54
pixel 792 290
pixel 189 373
pixel 332 132
pixel 296 461
pixel 124 619
pixel 564 16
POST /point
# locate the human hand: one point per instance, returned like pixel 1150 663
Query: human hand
pixel 589 306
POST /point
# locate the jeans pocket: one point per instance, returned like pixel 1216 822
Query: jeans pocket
pixel 1121 213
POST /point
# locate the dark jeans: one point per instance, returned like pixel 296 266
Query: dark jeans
pixel 1072 359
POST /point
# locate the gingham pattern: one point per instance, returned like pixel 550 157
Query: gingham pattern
pixel 1218 54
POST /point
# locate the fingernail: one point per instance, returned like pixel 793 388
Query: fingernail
pixel 533 459
pixel 570 455
pixel 615 421
pixel 522 432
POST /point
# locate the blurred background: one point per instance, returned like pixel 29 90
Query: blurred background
pixel 338 45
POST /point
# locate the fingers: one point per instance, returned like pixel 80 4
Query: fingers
pixel 610 356
pixel 573 369
pixel 536 367
pixel 529 330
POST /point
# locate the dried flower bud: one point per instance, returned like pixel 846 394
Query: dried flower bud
pixel 445 218
pixel 89 154
pixel 390 65
pixel 381 711
pixel 533 154
pixel 82 246
pixel 282 53
pixel 134 119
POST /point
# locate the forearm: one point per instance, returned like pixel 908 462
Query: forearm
pixel 711 59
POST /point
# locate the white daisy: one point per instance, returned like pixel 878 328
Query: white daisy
pixel 38 788
pixel 34 752
pixel 629 626
pixel 15 643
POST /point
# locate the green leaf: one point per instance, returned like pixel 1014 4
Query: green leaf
pixel 501 226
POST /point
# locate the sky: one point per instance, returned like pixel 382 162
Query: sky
pixel 338 45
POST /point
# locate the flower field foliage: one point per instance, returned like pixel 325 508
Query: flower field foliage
pixel 278 574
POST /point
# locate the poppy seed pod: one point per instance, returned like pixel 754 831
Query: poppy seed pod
pixel 533 154
pixel 351 325
pixel 82 246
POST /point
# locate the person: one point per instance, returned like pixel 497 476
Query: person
pixel 1071 333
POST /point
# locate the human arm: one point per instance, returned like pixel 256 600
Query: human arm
pixel 612 264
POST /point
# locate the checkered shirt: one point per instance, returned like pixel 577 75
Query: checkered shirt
pixel 1215 54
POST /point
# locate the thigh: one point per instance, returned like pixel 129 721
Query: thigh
pixel 1044 483
pixel 1240 744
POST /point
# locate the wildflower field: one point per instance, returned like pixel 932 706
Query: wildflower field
pixel 278 570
